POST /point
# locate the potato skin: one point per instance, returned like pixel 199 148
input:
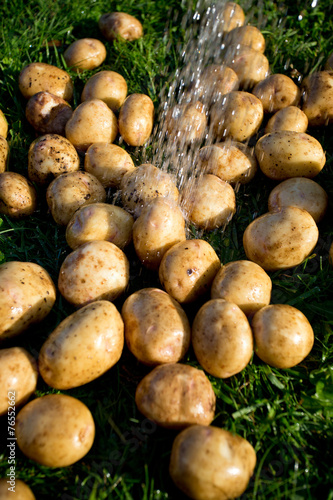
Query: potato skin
pixel 108 86
pixel 318 98
pixel 85 54
pixel 4 153
pixel 215 81
pixel 232 17
pixel 39 77
pixel 114 24
pixel 283 335
pixel 156 327
pixel 289 118
pixel 27 295
pixel 187 122
pixel 176 396
pixel 18 197
pixel 55 430
pixel 209 463
pixel 250 65
pixel 136 119
pixel 3 125
pixel 250 36
pixel 277 92
pixel 48 113
pixel 96 333
pixel 22 491
pixel 18 375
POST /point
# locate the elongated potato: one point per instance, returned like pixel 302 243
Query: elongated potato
pixel 318 98
pixel 136 119
pixel 4 153
pixel 3 125
pixel 39 77
pixel 247 35
pixel 277 92
pixel 120 24
pixel 48 113
pixel 289 118
pixel 18 197
pixel 108 86
pixel 85 54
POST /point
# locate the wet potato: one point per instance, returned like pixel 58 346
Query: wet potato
pixel 289 118
pixel 215 81
pixel 85 54
pixel 40 77
pixel 108 86
pixel 3 125
pixel 277 92
pixel 250 36
pixel 18 197
pixel 317 93
pixel 187 122
pixel 136 119
pixel 48 113
pixel 4 154
pixel 231 17
pixel 120 24
pixel 250 65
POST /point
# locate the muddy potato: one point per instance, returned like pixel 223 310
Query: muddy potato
pixel 68 192
pixel 187 122
pixel 284 154
pixel 280 240
pixel 97 270
pixel 244 283
pixel 289 118
pixel 27 295
pixel 188 268
pixel 3 125
pixel 250 65
pixel 302 193
pixel 18 197
pixel 21 490
pixel 215 81
pixel 108 162
pixel 85 54
pixel 120 24
pixel 39 77
pixel 238 116
pixel 160 225
pixel 283 336
pixel 176 396
pixel 210 463
pixel 55 430
pixel 231 17
pixel 146 182
pixel 18 377
pixel 4 153
pixel 317 92
pixel 277 92
pixel 136 119
pixel 247 35
pixel 48 113
pixel 92 121
pixel 100 221
pixel 83 346
pixel 50 156
pixel 108 86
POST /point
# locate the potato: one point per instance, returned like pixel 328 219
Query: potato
pixel 70 191
pixel 283 335
pixel 209 463
pixel 280 240
pixel 232 17
pixel 108 86
pixel 284 154
pixel 250 65
pixel 289 118
pixel 40 77
pixel 247 35
pixel 238 116
pixel 329 63
pixel 108 162
pixel 244 283
pixel 97 270
pixel 302 193
pixel 120 24
pixel 85 54
pixel 18 378
pixel 188 268
pixel 160 225
pixel 215 81
pixel 92 121
pixel 15 490
pixel 3 125
pixel 146 182
pixel 277 92
pixel 176 396
pixel 55 430
pixel 156 327
pixel 83 346
pixel 27 295
pixel 48 113
pixel 4 154
pixel 187 122
pixel 18 197
pixel 136 119
pixel 318 98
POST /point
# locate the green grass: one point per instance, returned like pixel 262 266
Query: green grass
pixel 285 414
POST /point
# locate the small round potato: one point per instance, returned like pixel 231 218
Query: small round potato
pixel 83 346
pixel 289 118
pixel 277 92
pixel 284 154
pixel 55 430
pixel 108 86
pixel 244 283
pixel 97 270
pixel 232 16
pixel 48 113
pixel 92 121
pixel 21 490
pixel 238 116
pixel 18 377
pixel 187 122
pixel 157 330
pixel 160 225
pixel 136 119
pixel 146 182
pixel 27 295
pixel 283 336
pixel 4 153
pixel 50 156
pixel 3 125
pixel 318 98
pixel 39 77
pixel 250 65
pixel 247 35
pixel 18 197
pixel 188 269
pixel 176 396
pixel 120 24
pixel 302 193
pixel 108 162
pixel 68 192
pixel 100 221
pixel 280 240
pixel 209 463
pixel 84 54
pixel 215 81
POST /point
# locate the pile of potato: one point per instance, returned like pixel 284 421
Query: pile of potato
pixel 232 100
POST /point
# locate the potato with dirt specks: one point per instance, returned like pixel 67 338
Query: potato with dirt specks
pixel 289 118
pixel 18 197
pixel 136 118
pixel 186 123
pixel 108 86
pixel 4 154
pixel 120 24
pixel 215 81
pixel 21 491
pixel 250 65
pixel 85 54
pixel 48 113
pixel 250 36
pixel 317 95
pixel 40 77
pixel 277 92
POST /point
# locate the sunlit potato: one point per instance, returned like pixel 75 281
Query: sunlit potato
pixel 250 65
pixel 176 396
pixel 289 118
pixel 317 95
pixel 18 197
pixel 250 36
pixel 48 113
pixel 120 24
pixel 215 81
pixel 136 119
pixel 4 154
pixel 277 92
pixel 3 125
pixel 21 490
pixel 40 77
pixel 85 54
pixel 186 123
pixel 108 86
pixel 231 17
pixel 157 330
